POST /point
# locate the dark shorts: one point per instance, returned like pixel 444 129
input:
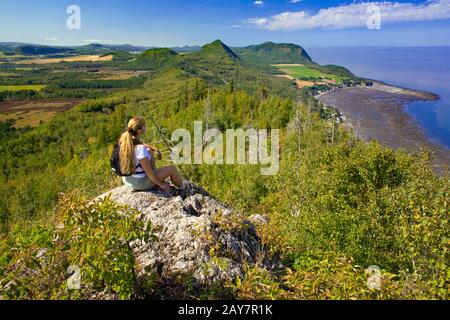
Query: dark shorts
pixel 138 183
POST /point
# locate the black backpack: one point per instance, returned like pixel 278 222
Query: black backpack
pixel 115 161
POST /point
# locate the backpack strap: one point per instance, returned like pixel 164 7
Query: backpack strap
pixel 136 143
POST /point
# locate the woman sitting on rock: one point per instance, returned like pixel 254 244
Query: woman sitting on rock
pixel 138 161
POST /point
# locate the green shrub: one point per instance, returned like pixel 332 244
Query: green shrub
pixel 94 237
pixel 368 203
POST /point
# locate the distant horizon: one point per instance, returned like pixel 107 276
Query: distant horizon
pixel 231 46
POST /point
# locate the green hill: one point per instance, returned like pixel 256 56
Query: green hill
pixel 97 48
pixel 120 55
pixel 269 53
pixel 38 50
pixel 273 53
pixel 218 50
pixel 217 64
pixel 156 58
pixel 91 48
pixel 337 70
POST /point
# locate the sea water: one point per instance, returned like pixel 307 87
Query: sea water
pixel 422 68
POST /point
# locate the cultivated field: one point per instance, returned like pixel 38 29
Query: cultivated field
pixel 300 83
pixel 111 74
pixel 302 72
pixel 32 113
pixel 35 87
pixel 10 56
pixel 83 58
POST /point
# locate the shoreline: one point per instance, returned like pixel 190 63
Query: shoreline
pixel 378 112
pixel 420 94
pixel 415 95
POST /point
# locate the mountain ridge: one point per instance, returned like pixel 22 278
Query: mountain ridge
pixel 243 53
pixel 259 55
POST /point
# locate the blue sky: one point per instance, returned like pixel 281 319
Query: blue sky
pixel 236 22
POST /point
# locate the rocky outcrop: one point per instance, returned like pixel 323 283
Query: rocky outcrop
pixel 197 236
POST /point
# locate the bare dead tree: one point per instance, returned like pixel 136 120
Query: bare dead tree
pixel 161 132
pixel 358 129
pixel 333 120
pixel 298 127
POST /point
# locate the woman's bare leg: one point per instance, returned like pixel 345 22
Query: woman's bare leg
pixel 170 172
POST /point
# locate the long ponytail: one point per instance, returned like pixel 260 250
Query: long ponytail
pixel 126 141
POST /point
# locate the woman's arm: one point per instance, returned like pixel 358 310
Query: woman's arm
pixel 147 166
pixel 154 149
pixel 152 160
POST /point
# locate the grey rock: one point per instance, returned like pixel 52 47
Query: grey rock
pixel 187 227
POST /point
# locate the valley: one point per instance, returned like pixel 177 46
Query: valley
pixel 59 73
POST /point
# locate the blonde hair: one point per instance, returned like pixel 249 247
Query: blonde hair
pixel 126 141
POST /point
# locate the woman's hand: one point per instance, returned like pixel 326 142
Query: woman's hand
pixel 158 154
pixel 154 150
pixel 165 186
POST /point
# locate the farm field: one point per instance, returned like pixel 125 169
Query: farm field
pixel 81 58
pixel 300 83
pixel 120 74
pixel 24 76
pixel 32 113
pixel 302 72
pixel 36 87
pixel 10 56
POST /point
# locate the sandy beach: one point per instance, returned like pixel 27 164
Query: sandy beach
pixel 377 112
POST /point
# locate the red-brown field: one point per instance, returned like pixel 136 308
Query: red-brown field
pixel 33 112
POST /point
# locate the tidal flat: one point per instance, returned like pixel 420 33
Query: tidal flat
pixel 378 112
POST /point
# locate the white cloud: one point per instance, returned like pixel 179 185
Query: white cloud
pixel 52 39
pixel 96 41
pixel 294 1
pixel 354 15
pixel 259 2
